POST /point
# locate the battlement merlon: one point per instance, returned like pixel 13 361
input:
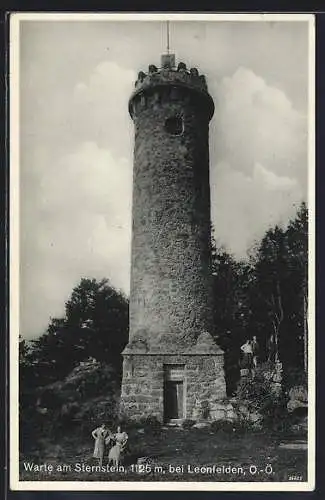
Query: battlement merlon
pixel 170 75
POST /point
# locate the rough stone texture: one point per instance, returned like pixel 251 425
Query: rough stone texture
pixel 170 263
pixel 274 374
pixel 168 76
pixel 190 80
pixel 170 296
pixel 298 398
pixel 143 385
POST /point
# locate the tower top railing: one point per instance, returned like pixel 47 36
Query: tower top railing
pixel 167 72
pixel 170 75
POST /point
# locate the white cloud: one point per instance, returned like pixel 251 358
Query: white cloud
pixel 271 181
pixel 100 107
pixel 82 213
pixel 259 159
pixel 257 123
pixel 76 206
pixel 245 206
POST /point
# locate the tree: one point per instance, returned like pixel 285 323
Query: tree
pixel 26 371
pixel 278 293
pixel 268 293
pixel 95 325
pixel 297 262
pixel 230 308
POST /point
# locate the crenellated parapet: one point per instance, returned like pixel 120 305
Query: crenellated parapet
pixel 180 75
pixel 168 75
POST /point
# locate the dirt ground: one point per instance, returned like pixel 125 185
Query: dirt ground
pixel 170 454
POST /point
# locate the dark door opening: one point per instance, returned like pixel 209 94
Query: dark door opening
pixel 174 392
pixel 173 400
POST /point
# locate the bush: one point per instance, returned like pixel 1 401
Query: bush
pixel 243 426
pixel 223 425
pixel 151 423
pixel 257 395
pixel 93 413
pixel 69 405
pixel 188 423
pixel 293 376
pixel 238 427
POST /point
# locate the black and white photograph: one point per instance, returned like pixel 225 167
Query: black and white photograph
pixel 162 305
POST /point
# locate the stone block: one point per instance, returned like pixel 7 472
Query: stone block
pixel 218 414
pixel 201 425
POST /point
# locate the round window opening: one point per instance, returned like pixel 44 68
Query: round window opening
pixel 174 125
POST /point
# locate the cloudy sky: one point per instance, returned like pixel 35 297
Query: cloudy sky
pixel 76 141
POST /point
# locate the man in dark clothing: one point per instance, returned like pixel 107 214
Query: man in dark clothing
pixel 255 348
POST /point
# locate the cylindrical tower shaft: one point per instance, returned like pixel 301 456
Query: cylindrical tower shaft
pixel 170 297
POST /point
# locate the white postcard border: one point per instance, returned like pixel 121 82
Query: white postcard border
pixel 15 483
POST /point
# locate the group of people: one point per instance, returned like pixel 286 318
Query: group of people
pixel 250 354
pixel 104 439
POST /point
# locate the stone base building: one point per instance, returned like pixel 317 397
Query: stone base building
pixel 174 386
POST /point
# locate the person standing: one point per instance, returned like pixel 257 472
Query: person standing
pixel 255 348
pixel 247 350
pixel 102 436
pixel 272 348
pixel 121 438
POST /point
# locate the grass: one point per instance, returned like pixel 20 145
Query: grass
pixel 254 457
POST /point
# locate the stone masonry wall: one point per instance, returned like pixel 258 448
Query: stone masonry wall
pixel 171 268
pixel 143 385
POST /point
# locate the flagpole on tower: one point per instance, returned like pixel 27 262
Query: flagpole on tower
pixel 168 59
pixel 168 37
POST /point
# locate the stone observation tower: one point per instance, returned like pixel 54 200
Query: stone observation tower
pixel 172 367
